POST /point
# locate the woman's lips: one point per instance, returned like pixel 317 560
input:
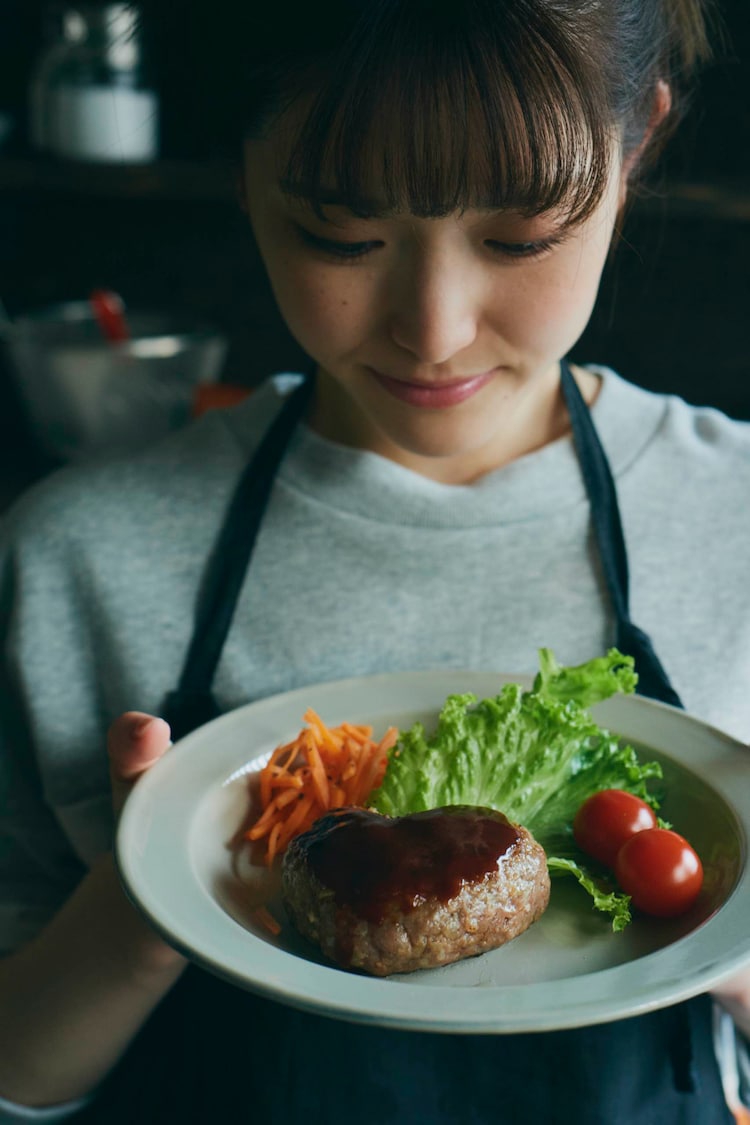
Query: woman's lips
pixel 435 395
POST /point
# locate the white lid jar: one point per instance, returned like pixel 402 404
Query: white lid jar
pixel 100 104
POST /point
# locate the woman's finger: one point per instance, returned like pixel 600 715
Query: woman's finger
pixel 134 743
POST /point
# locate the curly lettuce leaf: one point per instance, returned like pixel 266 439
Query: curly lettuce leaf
pixel 614 903
pixel 533 755
pixel 587 683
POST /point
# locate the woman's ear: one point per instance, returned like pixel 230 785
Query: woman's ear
pixel 660 109
pixel 662 104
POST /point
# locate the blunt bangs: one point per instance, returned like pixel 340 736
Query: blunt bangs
pixel 434 111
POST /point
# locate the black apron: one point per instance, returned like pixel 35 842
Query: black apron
pixel 214 1053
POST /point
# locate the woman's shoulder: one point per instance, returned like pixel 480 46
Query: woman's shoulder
pixel 645 425
pixel 179 478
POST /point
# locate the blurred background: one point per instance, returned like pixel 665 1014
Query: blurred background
pixel 153 219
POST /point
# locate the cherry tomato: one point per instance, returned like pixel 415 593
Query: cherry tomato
pixel 660 871
pixel 607 819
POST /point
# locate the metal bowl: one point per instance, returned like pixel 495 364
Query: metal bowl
pixel 87 397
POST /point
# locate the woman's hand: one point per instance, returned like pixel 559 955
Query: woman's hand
pixel 734 995
pixel 74 998
pixel 134 743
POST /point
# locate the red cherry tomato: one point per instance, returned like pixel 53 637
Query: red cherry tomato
pixel 660 871
pixel 607 819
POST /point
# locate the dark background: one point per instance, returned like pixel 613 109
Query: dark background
pixel 673 308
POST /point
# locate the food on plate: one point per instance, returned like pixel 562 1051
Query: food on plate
pixel 607 819
pixel 660 871
pixel 323 768
pixel 535 755
pixel 264 918
pixel 390 895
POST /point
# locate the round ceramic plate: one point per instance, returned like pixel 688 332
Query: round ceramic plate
pixel 569 969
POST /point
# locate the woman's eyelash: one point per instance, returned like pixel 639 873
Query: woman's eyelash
pixel 524 249
pixel 347 250
pixel 350 251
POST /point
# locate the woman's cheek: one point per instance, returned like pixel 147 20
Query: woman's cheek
pixel 300 300
pixel 555 309
pixel 316 320
pixel 324 313
pixel 532 317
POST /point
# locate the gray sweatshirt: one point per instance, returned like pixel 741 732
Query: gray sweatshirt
pixel 362 566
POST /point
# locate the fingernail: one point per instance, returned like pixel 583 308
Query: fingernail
pixel 138 729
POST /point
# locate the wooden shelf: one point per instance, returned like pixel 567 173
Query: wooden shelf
pixel 165 180
pixel 186 181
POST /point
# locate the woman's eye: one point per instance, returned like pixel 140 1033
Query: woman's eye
pixel 523 249
pixel 346 250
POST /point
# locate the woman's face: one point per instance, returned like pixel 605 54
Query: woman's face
pixel 437 340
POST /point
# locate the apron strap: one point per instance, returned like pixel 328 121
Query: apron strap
pixel 192 703
pixel 653 680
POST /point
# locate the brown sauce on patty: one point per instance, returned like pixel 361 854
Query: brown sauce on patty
pixel 373 863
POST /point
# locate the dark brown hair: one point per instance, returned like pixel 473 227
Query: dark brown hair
pixel 442 105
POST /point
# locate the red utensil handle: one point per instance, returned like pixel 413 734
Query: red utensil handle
pixel 109 310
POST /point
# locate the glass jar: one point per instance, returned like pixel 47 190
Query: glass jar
pixel 98 102
pixel 60 31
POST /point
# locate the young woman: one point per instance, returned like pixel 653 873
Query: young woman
pixel 434 191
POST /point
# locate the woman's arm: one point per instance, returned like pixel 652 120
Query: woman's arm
pixel 74 998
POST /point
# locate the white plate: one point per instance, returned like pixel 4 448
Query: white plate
pixel 566 971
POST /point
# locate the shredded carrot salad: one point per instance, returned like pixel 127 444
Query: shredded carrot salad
pixel 265 918
pixel 323 768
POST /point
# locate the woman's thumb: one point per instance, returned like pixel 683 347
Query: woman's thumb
pixel 134 743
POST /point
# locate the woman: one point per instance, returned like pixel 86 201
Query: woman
pixel 434 194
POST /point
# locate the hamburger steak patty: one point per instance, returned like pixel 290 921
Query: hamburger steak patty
pixel 389 895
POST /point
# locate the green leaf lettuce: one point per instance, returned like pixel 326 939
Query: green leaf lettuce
pixel 533 755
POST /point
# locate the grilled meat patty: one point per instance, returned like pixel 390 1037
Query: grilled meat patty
pixel 389 895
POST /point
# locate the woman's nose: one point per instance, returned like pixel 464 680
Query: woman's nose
pixel 436 315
